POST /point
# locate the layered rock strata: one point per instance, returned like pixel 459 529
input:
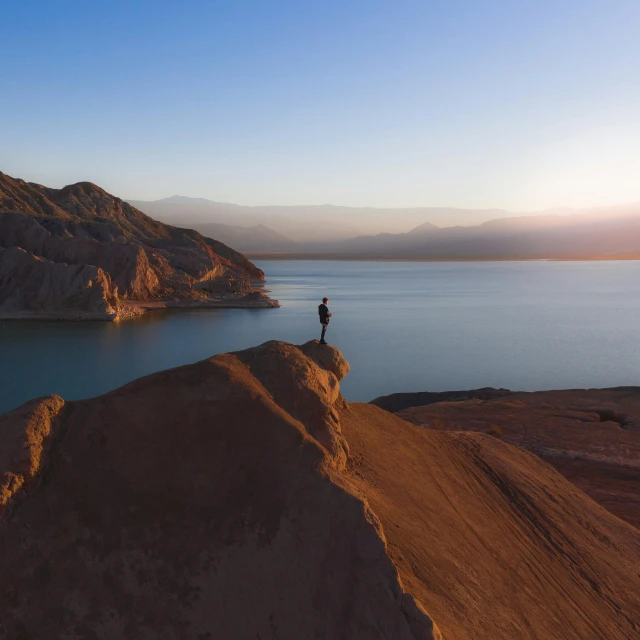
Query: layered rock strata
pixel 143 260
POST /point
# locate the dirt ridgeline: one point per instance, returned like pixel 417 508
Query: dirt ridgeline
pixel 242 497
pixel 592 436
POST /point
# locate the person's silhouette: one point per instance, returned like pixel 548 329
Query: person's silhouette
pixel 323 312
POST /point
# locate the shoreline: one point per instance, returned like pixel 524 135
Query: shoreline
pixel 350 258
pixel 259 301
pixel 131 309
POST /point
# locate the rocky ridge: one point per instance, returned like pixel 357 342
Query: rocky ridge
pixel 591 436
pixel 242 497
pixel 81 253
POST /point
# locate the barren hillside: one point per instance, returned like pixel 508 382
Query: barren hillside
pixel 591 436
pixel 242 497
pixel 82 253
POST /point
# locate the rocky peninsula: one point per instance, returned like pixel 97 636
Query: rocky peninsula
pixel 81 253
pixel 243 497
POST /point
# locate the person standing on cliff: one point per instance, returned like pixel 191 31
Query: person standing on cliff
pixel 323 312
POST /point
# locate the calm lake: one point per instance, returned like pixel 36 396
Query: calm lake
pixel 402 326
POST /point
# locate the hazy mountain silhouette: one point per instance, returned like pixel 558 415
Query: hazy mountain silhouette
pixel 303 224
pixel 335 231
pixel 425 228
pixel 255 238
pixel 550 236
pixel 310 223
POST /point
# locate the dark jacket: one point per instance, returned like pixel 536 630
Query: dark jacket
pixel 323 312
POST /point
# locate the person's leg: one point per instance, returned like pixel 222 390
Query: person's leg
pixel 324 329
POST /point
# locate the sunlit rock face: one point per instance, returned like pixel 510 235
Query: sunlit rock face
pixel 242 497
pixel 83 225
pixel 591 436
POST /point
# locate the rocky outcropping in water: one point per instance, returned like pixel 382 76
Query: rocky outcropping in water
pixel 243 497
pixel 82 253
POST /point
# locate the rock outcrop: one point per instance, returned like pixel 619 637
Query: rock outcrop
pixel 35 286
pixel 221 500
pixel 395 402
pixel 144 260
pixel 591 436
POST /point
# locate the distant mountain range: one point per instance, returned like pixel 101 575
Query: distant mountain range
pixel 295 224
pixel 309 223
pixel 359 233
pixel 578 236
pixel 257 238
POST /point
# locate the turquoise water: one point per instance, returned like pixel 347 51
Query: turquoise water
pixel 402 326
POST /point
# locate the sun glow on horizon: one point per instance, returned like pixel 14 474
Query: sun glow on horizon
pixel 523 107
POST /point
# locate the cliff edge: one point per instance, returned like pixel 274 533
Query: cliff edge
pixel 242 497
pixel 81 253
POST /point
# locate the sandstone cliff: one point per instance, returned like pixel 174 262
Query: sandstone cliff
pixel 242 497
pixel 136 258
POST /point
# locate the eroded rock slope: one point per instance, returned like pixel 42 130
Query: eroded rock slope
pixel 242 497
pixel 592 436
pixel 128 257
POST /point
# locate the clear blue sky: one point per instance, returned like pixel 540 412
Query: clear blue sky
pixel 477 103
